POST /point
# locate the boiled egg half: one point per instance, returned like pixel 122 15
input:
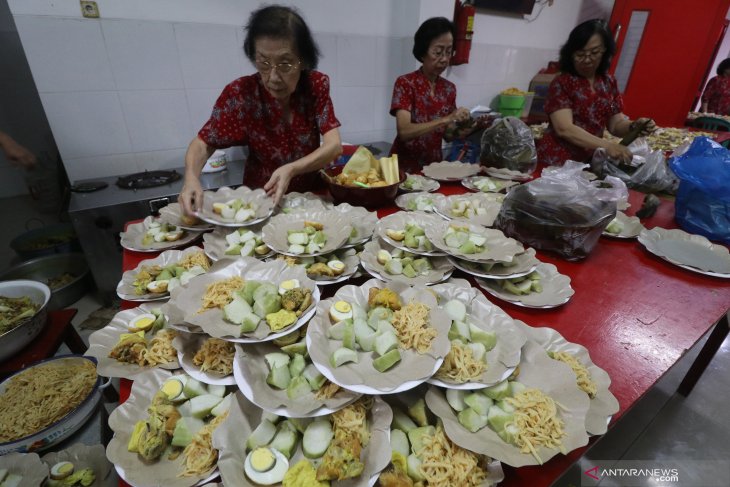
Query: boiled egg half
pixel 288 285
pixel 158 286
pixel 341 310
pixel 142 322
pixel 266 466
pixel 337 266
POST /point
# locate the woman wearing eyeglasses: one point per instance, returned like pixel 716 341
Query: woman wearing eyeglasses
pixel 424 103
pixel 584 100
pixel 279 112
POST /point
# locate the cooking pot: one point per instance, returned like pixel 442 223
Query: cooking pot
pixel 49 267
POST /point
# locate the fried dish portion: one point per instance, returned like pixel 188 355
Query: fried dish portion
pixel 383 297
pixel 297 300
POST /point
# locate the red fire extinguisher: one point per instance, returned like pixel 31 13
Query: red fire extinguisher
pixel 464 22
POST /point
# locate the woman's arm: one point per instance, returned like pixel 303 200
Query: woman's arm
pixel 330 150
pixel 620 125
pixel 407 130
pixel 191 195
pixel 562 123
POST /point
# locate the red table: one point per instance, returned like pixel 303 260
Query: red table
pixel 636 314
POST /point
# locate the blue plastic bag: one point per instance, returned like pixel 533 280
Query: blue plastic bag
pixel 703 199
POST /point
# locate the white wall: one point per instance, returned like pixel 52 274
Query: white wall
pixel 128 91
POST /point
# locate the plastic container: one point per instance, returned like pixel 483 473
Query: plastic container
pixel 511 112
pixel 217 162
pixel 528 103
pixel 511 101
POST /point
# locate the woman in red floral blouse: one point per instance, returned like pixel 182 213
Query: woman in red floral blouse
pixel 279 112
pixel 424 103
pixel 716 97
pixel 584 100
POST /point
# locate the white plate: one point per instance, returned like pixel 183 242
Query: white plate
pixel 215 244
pixel 491 203
pixel 181 342
pixel 502 173
pixel 691 252
pixel 131 239
pixel 427 184
pixel 441 271
pixel 337 228
pixel 172 213
pixel 398 220
pixel 604 405
pixel 264 209
pixel 497 246
pixel 451 170
pixel 403 200
pixel 347 256
pixel 502 184
pixel 632 227
pixel 556 290
pixel 524 263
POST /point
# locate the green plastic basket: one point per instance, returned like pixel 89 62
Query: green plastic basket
pixel 511 101
pixel 511 112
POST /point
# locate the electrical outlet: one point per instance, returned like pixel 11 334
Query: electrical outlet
pixel 90 10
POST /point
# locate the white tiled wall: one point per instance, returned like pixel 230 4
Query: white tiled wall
pixel 131 90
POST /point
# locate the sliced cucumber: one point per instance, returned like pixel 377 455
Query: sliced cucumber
pixel 317 438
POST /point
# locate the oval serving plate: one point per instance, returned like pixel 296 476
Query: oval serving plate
pixel 264 205
pixel 691 252
pixel 419 184
pixel 521 265
pixel 556 289
pixel 450 170
pixel 631 227
pixel 493 185
pixel 131 238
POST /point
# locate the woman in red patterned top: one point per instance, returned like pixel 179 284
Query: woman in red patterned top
pixel 424 103
pixel 584 100
pixel 279 112
pixel 716 97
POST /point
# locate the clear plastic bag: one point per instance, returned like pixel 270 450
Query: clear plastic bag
pixel 703 200
pixel 561 211
pixel 508 143
pixel 647 172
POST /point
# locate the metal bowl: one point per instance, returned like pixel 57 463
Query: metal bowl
pixel 53 239
pixel 64 427
pixel 44 268
pixel 14 340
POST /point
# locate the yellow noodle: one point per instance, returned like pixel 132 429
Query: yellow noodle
pixel 195 258
pixel 215 355
pixel 327 391
pixel 536 418
pixel 160 349
pixel 582 376
pixel 220 293
pixel 460 366
pixel 411 326
pixel 42 395
pixel 352 420
pixel 445 464
pixel 200 456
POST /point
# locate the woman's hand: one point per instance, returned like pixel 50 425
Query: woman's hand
pixel 619 152
pixel 191 196
pixel 459 115
pixel 649 126
pixel 279 182
pixel 16 153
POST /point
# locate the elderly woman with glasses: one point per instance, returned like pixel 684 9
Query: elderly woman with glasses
pixel 584 100
pixel 279 112
pixel 424 103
